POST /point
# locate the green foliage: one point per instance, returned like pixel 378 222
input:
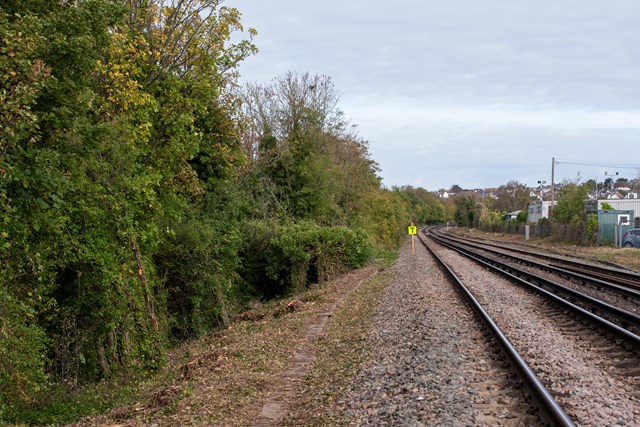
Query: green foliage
pixel 466 213
pixel 491 217
pixel 283 258
pixel 385 216
pixel 570 207
pixel 305 161
pixel 113 131
pixel 606 206
pixel 522 217
pixel 22 344
pixel 197 264
pixel 427 208
pixel 592 228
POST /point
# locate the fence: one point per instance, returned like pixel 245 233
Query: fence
pixel 570 233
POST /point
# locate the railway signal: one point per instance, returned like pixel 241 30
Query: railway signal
pixel 412 230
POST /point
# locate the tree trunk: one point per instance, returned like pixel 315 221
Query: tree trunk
pixel 143 283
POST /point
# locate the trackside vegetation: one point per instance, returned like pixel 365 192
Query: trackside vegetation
pixel 145 196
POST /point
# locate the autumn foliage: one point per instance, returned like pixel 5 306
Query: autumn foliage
pixel 144 197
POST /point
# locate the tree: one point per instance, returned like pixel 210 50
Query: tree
pixel 305 160
pixel 622 182
pixel 592 184
pixel 466 213
pixel 427 208
pixel 512 196
pixel 571 206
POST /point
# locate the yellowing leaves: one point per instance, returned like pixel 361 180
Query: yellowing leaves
pixel 119 74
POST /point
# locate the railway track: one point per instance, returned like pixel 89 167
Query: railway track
pixel 619 306
pixel 609 292
pixel 586 354
pixel 619 276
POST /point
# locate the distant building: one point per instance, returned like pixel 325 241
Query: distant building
pixel 624 205
pixel 511 215
pixel 538 210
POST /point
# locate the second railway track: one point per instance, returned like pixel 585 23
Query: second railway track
pixel 592 376
pixel 618 276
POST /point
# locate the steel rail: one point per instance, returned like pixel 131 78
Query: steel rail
pixel 606 276
pixel 628 337
pixel 623 278
pixel 548 267
pixel 551 411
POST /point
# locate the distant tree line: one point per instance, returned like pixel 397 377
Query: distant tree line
pixel 144 197
pixel 569 212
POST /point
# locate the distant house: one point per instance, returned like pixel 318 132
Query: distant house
pixel 538 210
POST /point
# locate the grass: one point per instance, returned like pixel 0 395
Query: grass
pixel 384 258
pixel 62 406
pixel 339 354
pixel 238 365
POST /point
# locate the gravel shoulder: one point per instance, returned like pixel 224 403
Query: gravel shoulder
pixel 408 351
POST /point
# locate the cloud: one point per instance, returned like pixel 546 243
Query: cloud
pixel 466 91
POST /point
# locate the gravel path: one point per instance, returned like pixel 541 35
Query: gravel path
pixel 432 363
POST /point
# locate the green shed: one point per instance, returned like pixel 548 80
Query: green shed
pixel 612 221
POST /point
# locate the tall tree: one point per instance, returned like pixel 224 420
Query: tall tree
pixel 571 205
pixel 466 213
pixel 512 196
pixel 307 160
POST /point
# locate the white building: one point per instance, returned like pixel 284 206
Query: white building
pixel 511 215
pixel 538 210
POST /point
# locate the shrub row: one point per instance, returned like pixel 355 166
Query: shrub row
pixel 279 259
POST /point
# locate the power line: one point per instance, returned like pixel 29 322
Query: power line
pixel 601 165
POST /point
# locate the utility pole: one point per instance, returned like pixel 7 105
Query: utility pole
pixel 553 189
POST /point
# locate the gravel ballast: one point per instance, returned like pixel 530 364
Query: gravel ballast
pixel 430 362
pixel 576 364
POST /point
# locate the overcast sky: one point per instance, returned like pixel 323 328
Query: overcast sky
pixel 469 92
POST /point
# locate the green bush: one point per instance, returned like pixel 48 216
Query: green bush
pixel 592 228
pixel 279 258
pixel 197 265
pixel 22 345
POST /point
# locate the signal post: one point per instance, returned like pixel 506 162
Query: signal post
pixel 412 230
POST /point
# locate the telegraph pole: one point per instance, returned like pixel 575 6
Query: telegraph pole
pixel 553 190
